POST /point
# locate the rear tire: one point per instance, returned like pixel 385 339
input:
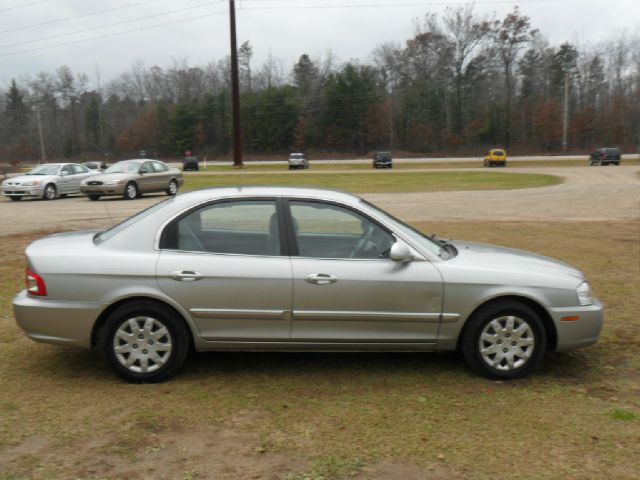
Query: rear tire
pixel 504 340
pixel 131 191
pixel 173 188
pixel 144 342
pixel 94 197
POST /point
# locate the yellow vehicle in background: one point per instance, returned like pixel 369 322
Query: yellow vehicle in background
pixel 496 157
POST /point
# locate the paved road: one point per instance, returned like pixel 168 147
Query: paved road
pixel 587 194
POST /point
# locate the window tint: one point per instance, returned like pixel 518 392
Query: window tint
pixel 246 227
pixel 159 167
pixel 324 230
pixel 146 168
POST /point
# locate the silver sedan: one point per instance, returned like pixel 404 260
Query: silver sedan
pixel 47 181
pixel 265 268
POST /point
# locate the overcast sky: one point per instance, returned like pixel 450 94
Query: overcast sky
pixel 198 30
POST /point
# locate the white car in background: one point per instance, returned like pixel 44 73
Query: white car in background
pixel 47 181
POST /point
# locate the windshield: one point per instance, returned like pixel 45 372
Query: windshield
pixel 110 232
pixel 45 170
pixel 420 238
pixel 296 155
pixel 124 167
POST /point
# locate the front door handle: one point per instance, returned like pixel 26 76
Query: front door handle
pixel 185 276
pixel 321 279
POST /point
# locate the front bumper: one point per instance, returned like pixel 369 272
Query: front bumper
pixel 22 191
pixel 579 333
pixel 117 189
pixel 58 322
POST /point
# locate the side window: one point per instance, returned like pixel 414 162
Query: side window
pixel 325 230
pixel 67 169
pixel 159 167
pixel 77 169
pixel 146 168
pixel 244 227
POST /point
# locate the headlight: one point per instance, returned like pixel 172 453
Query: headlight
pixel 112 182
pixel 31 183
pixel 584 294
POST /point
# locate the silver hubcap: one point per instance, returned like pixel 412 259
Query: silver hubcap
pixel 142 344
pixel 131 191
pixel 173 188
pixel 506 343
pixel 50 192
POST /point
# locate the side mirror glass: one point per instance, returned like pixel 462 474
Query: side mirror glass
pixel 400 252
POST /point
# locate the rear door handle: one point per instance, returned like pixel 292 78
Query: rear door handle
pixel 185 276
pixel 321 279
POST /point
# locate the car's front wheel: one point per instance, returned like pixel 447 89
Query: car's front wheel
pixel 144 341
pixel 16 199
pixel 49 192
pixel 94 197
pixel 130 191
pixel 504 340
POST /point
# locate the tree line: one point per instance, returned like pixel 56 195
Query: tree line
pixel 461 83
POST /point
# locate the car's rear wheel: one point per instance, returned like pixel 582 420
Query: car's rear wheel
pixel 504 340
pixel 94 197
pixel 144 342
pixel 173 188
pixel 130 191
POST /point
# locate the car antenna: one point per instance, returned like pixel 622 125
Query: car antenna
pixel 108 213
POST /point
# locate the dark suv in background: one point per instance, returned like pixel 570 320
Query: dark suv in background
pixel 190 163
pixel 605 156
pixel 382 160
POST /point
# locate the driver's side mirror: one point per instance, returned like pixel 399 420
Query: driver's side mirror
pixel 400 252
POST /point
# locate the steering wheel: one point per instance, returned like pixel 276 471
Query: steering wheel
pixel 359 246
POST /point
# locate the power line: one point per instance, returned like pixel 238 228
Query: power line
pixel 23 5
pixel 109 25
pixel 389 5
pixel 68 19
pixel 148 27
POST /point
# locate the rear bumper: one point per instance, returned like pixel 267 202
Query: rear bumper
pixel 57 322
pixel 579 333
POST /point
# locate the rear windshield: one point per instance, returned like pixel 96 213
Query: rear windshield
pixel 498 152
pixel 110 232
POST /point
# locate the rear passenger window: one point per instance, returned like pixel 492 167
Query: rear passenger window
pixel 248 227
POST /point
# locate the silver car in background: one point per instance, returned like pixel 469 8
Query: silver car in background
pixel 47 181
pixel 266 268
pixel 298 160
pixel 132 178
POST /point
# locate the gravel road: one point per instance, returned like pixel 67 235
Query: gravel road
pixel 588 193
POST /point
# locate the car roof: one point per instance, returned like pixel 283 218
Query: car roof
pixel 247 191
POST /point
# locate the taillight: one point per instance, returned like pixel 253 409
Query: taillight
pixel 35 284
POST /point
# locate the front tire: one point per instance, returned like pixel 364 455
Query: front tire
pixel 93 197
pixel 50 192
pixel 504 340
pixel 16 199
pixel 131 191
pixel 144 342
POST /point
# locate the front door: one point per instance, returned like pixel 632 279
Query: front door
pixel 347 290
pixel 223 264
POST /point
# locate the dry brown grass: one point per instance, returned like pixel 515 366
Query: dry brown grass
pixel 266 415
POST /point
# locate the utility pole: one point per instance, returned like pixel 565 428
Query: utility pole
pixel 43 155
pixel 565 112
pixel 235 89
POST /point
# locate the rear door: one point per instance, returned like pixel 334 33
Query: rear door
pixel 223 264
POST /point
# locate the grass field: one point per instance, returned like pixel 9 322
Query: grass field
pixel 340 416
pixel 381 181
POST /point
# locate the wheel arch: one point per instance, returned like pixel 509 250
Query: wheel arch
pixel 547 321
pixel 102 318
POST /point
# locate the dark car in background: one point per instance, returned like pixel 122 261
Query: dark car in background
pixel 606 156
pixel 190 163
pixel 382 160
